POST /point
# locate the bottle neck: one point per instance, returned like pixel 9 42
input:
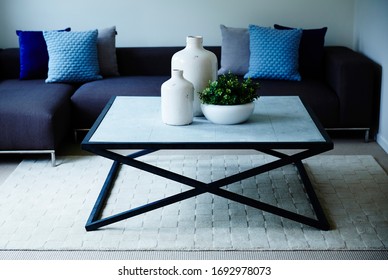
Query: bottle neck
pixel 194 42
pixel 177 73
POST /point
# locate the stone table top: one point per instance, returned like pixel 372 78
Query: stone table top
pixel 275 119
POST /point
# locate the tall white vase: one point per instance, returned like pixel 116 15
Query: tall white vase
pixel 199 67
pixel 177 96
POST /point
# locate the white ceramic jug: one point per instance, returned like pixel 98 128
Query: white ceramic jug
pixel 199 67
pixel 177 96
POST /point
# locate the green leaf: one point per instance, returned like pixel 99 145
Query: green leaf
pixel 229 90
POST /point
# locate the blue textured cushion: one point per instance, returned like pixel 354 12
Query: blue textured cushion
pixel 274 54
pixel 33 54
pixel 72 56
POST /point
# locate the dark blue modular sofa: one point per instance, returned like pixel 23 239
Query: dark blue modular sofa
pixel 37 117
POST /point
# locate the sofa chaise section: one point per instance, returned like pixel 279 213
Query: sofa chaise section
pixel 35 117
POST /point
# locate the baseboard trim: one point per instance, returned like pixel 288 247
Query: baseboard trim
pixel 382 141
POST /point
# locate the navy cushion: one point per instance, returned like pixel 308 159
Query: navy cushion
pixel 33 54
pixel 311 50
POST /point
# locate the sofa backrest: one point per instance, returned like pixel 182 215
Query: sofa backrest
pixel 9 63
pixel 131 60
pixel 150 61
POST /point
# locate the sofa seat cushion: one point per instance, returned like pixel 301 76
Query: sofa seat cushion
pixel 89 100
pixel 33 115
pixel 320 98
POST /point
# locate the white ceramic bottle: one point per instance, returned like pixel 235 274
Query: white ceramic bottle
pixel 199 67
pixel 177 96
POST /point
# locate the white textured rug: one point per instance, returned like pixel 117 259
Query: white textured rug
pixel 46 208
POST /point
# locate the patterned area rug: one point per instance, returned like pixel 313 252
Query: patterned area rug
pixel 46 208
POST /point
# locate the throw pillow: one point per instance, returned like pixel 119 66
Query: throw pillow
pixel 234 50
pixel 72 56
pixel 274 53
pixel 33 54
pixel 311 50
pixel 106 46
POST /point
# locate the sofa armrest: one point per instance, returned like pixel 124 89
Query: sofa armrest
pixel 355 79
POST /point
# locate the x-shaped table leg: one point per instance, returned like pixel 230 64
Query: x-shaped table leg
pixel 94 222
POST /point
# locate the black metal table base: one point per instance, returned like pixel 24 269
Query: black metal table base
pixel 95 221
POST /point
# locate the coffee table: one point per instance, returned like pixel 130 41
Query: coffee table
pixel 283 127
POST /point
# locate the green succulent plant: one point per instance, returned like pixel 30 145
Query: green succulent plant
pixel 229 90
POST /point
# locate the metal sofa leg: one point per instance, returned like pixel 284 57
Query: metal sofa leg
pixel 53 160
pixel 367 131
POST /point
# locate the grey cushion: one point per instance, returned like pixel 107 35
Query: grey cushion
pixel 234 51
pixel 106 46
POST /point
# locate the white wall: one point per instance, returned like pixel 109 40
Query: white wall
pixel 371 37
pixel 168 22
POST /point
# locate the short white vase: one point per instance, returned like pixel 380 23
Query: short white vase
pixel 199 67
pixel 177 96
pixel 228 114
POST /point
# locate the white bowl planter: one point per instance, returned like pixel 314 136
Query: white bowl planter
pixel 228 114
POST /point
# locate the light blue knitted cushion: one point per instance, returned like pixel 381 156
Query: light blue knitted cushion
pixel 274 54
pixel 73 56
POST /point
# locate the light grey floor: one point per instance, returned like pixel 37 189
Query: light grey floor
pixel 342 146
